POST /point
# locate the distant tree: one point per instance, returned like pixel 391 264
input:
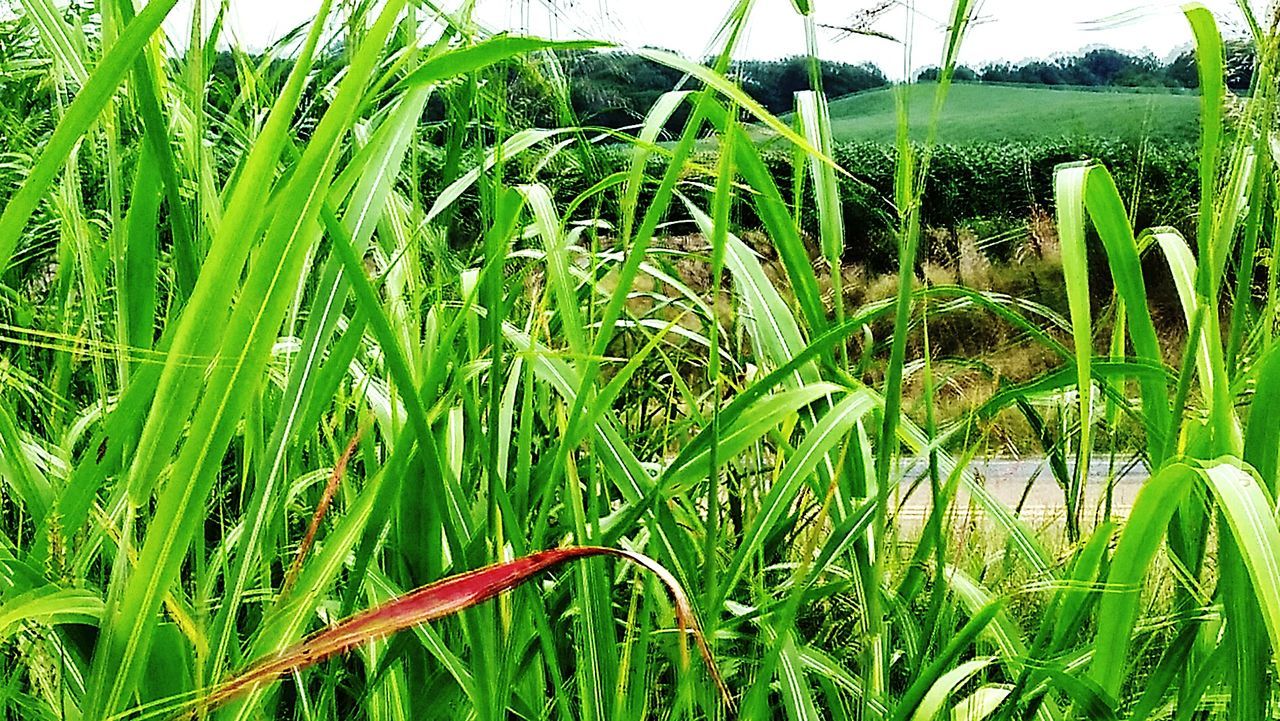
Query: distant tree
pixel 1103 65
pixel 962 74
pixel 775 82
pixel 997 73
pixel 1182 72
pixel 616 89
pixel 1040 73
pixel 843 78
pixel 1107 67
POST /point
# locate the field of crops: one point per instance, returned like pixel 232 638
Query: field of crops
pixel 330 390
pixel 994 113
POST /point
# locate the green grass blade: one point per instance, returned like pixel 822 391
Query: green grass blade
pixel 80 116
pixel 1069 186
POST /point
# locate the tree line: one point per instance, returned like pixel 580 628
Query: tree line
pixel 1105 67
pixel 616 89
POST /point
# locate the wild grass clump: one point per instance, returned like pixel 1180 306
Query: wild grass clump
pixel 284 436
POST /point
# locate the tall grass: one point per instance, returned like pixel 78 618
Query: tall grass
pixel 255 384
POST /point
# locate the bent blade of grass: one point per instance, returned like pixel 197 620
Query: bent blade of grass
pixel 778 378
pixel 246 346
pixel 735 437
pixel 66 42
pixel 797 697
pixel 831 430
pixel 980 704
pixel 633 481
pixel 726 87
pixel 1072 607
pixel 637 246
pixel 613 453
pixel 1031 549
pixel 25 483
pixel 373 186
pixel 775 215
pixel 1251 515
pixel 654 121
pixel 1003 631
pixel 773 328
pixel 815 118
pixel 1069 186
pixel 80 116
pixel 547 223
pixel 1251 519
pixel 836 672
pixel 1107 211
pixel 463 61
pixel 774 331
pixel 1183 267
pixel 49 605
pixel 1148 521
pixel 510 148
pixel 203 320
pixel 935 700
pixel 929 690
pixel 445 598
pixel 1235 200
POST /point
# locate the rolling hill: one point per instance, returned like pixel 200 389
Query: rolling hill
pixel 982 113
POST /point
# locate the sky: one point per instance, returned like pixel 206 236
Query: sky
pixel 1007 30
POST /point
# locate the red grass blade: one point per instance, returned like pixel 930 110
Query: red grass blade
pixel 444 598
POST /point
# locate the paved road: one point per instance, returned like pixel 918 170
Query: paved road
pixel 1008 479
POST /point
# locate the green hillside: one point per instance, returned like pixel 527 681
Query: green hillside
pixel 1002 112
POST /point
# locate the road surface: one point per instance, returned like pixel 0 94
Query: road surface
pixel 1007 479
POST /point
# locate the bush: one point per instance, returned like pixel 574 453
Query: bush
pixel 991 185
pixel 997 182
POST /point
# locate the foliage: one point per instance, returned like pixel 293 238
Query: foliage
pixel 257 298
pixel 616 89
pixel 990 184
pixel 1107 67
pixel 775 82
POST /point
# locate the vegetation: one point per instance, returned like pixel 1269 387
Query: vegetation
pixel 994 113
pixel 1109 68
pixel 617 89
pixel 257 382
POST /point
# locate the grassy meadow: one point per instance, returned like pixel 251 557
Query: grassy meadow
pixel 1000 113
pixel 332 388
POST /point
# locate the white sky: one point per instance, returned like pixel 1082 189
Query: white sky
pixel 1010 30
